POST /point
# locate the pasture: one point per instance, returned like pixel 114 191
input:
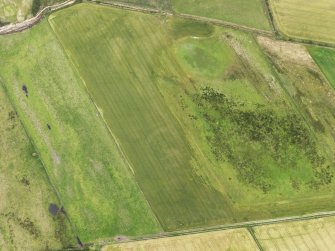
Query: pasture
pixel 225 240
pixel 25 192
pixel 308 20
pixel 209 143
pixel 250 13
pixel 325 58
pixel 315 234
pixel 96 186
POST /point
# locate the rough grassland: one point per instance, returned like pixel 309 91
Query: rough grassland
pixel 18 10
pixel 98 191
pixel 25 222
pixel 304 235
pixel 227 240
pixel 209 143
pixel 311 20
pixel 245 12
pixel 325 58
pixel 14 10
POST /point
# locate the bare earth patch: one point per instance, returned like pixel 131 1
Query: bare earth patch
pixel 286 51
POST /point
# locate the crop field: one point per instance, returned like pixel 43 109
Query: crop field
pixel 26 194
pixel 132 105
pixel 325 58
pixel 14 10
pixel 96 186
pixel 315 234
pixel 310 20
pixel 250 13
pixel 214 130
pixel 232 240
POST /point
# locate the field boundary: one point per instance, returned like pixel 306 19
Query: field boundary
pixel 276 33
pixel 280 35
pixel 242 225
pixel 253 235
pixel 214 21
pixel 270 16
pixel 54 188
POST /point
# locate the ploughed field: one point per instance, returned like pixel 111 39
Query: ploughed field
pixel 308 20
pixel 216 126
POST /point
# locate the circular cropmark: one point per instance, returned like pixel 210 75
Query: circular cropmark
pixel 209 57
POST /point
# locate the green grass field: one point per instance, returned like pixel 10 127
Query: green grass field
pixel 250 13
pixel 25 222
pixel 96 186
pixel 325 58
pixel 310 20
pixel 223 142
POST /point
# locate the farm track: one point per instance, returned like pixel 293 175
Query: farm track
pixel 248 225
pixel 276 34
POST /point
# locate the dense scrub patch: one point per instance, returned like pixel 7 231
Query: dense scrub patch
pixel 35 6
pixel 259 142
